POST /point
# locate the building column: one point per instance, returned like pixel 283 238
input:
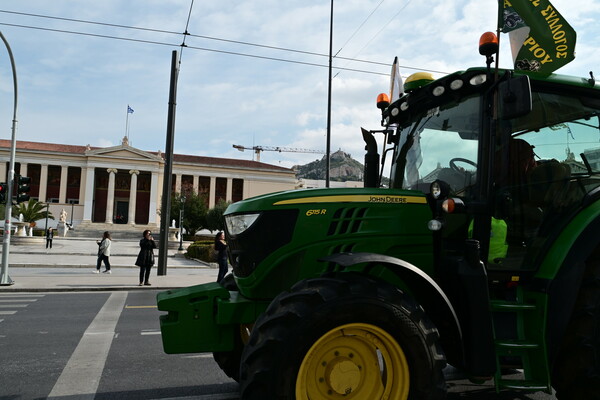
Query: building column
pixel 229 190
pixel 132 196
pixel 212 191
pixel 62 194
pixel 43 183
pixel 153 211
pixel 196 184
pixel 23 169
pixel 110 197
pixel 3 172
pixel 178 182
pixel 86 194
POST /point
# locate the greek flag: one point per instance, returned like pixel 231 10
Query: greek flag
pixel 129 110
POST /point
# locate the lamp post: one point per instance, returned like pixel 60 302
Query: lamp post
pixel 47 210
pixel 182 200
pixel 72 209
pixel 4 277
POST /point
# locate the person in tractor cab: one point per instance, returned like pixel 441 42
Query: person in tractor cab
pixel 514 161
pixel 526 189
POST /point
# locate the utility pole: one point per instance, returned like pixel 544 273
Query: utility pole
pixel 4 278
pixel 328 150
pixel 165 209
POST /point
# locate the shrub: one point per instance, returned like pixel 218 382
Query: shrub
pixel 201 250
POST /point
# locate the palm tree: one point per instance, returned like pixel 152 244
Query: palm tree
pixel 32 211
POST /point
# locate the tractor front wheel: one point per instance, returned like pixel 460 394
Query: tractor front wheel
pixel 343 336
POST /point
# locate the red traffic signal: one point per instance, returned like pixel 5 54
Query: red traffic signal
pixel 3 191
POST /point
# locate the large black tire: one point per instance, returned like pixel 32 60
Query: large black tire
pixel 576 372
pixel 229 361
pixel 344 335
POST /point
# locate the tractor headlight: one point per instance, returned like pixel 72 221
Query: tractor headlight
pixel 238 223
pixel 478 79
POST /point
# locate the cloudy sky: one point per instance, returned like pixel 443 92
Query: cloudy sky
pixel 253 72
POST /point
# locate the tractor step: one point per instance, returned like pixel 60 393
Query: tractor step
pixel 516 344
pixel 514 384
pixel 508 306
pixel 527 349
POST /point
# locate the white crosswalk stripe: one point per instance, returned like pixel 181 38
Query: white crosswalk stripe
pixel 17 300
pixel 10 303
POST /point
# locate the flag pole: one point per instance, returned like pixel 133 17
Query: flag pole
pixel 127 123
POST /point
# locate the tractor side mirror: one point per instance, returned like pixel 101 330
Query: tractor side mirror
pixel 514 97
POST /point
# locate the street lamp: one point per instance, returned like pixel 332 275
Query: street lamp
pixel 47 209
pixel 182 200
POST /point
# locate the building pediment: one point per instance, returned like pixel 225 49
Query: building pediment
pixel 123 151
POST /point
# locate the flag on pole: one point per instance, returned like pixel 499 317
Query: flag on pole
pixel 396 85
pixel 540 38
pixel 129 109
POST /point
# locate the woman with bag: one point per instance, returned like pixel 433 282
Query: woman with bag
pixel 221 253
pixel 145 258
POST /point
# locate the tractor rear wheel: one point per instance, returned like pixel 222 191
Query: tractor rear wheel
pixel 576 374
pixel 346 335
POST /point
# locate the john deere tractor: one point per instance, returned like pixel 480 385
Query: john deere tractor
pixel 483 254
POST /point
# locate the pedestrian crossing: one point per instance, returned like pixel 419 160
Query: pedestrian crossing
pixel 12 303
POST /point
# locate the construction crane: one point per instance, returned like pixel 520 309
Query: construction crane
pixel 258 149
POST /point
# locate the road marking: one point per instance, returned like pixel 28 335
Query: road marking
pixel 220 396
pixel 16 300
pixel 7 312
pixel 150 332
pixel 81 376
pixel 21 295
pixel 203 355
pixel 13 305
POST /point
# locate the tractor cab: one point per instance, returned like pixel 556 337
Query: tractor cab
pixel 504 160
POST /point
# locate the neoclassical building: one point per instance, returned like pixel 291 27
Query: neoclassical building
pixel 123 184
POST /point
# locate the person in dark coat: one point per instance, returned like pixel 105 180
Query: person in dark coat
pixel 49 237
pixel 145 258
pixel 221 250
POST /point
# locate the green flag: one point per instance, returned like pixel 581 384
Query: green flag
pixel 541 39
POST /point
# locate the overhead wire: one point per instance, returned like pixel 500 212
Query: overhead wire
pixel 359 27
pixel 381 30
pixel 189 47
pixel 186 34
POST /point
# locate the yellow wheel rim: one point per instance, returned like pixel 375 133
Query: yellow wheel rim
pixel 354 361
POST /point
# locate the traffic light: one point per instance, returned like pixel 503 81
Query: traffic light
pixel 22 188
pixel 3 191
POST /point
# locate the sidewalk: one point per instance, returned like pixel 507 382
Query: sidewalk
pixel 69 266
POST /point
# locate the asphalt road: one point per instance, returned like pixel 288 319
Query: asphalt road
pixel 107 345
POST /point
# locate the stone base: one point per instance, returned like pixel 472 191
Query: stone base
pixel 26 240
pixel 62 229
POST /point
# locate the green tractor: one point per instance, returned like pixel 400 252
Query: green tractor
pixel 483 254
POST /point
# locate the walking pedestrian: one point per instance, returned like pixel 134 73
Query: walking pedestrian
pixel 145 258
pixel 103 253
pixel 49 237
pixel 221 250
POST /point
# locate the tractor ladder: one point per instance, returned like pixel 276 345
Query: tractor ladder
pixel 526 351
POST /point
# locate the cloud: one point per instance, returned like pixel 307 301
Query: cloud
pixel 75 88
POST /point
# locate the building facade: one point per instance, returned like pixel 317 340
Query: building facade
pixel 123 184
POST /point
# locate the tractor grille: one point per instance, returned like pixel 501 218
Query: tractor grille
pixel 347 220
pixel 271 230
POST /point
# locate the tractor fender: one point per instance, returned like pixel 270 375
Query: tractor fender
pixel 422 288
